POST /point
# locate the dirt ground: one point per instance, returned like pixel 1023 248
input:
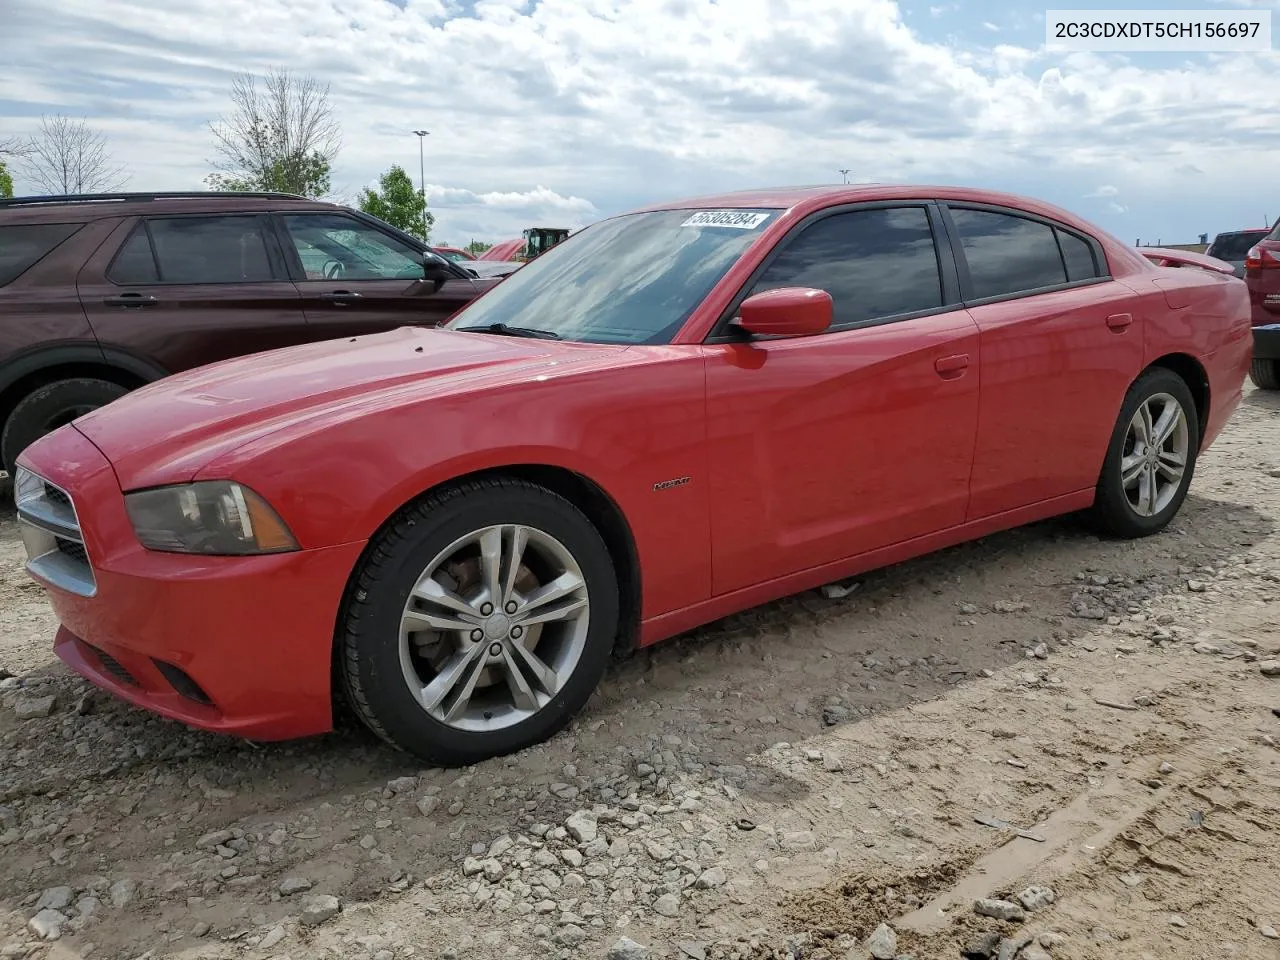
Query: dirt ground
pixel 774 786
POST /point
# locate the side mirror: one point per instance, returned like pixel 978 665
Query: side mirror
pixel 786 312
pixel 436 269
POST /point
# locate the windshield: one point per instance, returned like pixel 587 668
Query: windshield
pixel 633 279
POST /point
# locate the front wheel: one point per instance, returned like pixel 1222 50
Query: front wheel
pixel 479 623
pixel 1151 459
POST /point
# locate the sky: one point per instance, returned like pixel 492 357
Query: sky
pixel 560 112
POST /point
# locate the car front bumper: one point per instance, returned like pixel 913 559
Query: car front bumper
pixel 238 645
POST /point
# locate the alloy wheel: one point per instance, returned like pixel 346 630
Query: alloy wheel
pixel 1156 449
pixel 494 627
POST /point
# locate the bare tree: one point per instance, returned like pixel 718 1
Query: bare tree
pixel 281 135
pixel 11 146
pixel 68 156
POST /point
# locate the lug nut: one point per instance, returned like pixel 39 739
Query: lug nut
pixel 477 635
pixel 495 649
pixel 517 632
pixel 512 606
pixel 486 609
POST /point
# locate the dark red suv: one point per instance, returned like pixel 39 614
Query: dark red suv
pixel 102 293
pixel 1262 274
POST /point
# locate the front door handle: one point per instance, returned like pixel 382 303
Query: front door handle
pixel 131 300
pixel 1119 321
pixel 340 296
pixel 953 366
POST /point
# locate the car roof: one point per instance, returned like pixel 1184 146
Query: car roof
pixel 806 199
pixel 1240 233
pixel 85 207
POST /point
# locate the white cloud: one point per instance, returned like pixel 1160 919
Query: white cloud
pixel 988 25
pixel 1106 190
pixel 579 108
pixel 1117 207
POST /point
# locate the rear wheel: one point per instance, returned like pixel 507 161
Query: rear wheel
pixel 49 407
pixel 1265 374
pixel 479 623
pixel 1151 459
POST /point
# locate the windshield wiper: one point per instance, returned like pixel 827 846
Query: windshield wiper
pixel 506 330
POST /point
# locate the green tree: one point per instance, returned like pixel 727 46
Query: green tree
pixel 399 203
pixel 477 247
pixel 6 182
pixel 279 136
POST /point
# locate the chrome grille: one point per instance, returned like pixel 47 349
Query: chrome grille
pixel 51 533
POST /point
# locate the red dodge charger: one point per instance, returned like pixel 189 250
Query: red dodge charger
pixel 673 415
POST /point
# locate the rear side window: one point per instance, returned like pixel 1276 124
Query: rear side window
pixel 23 245
pixel 1077 254
pixel 224 249
pixel 1008 254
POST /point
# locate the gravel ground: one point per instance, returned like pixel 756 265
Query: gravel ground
pixel 804 780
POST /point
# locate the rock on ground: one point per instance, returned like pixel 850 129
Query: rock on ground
pixel 1000 910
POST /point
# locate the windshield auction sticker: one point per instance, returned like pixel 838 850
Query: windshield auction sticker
pixel 734 219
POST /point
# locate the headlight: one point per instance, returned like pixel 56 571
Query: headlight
pixel 215 517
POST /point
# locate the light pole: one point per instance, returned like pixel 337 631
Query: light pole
pixel 422 179
pixel 846 173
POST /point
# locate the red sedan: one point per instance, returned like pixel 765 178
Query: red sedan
pixel 671 416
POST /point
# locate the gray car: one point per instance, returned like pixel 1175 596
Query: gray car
pixel 1233 246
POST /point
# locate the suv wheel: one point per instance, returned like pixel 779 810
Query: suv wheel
pixel 1265 374
pixel 49 407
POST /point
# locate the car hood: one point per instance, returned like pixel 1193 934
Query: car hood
pixel 167 431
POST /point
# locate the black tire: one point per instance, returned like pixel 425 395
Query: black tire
pixel 49 407
pixel 1265 374
pixel 1112 511
pixel 369 627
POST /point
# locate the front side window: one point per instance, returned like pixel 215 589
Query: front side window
pixel 216 249
pixel 23 244
pixel 874 263
pixel 135 262
pixel 634 279
pixel 1007 254
pixel 334 247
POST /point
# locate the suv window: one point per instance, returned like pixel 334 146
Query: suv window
pixel 1234 246
pixel 217 249
pixel 23 245
pixel 1008 254
pixel 875 264
pixel 335 247
pixel 135 263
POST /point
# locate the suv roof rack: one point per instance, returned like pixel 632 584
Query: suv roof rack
pixel 145 197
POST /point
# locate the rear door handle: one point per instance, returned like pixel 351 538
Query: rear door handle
pixel 1119 321
pixel 131 300
pixel 952 366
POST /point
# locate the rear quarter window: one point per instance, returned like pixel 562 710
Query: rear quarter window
pixel 22 245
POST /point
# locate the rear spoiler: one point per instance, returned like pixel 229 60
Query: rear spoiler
pixel 1169 257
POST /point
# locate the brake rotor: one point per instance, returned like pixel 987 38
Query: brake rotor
pixel 463 578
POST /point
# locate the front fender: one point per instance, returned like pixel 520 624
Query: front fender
pixel 630 431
